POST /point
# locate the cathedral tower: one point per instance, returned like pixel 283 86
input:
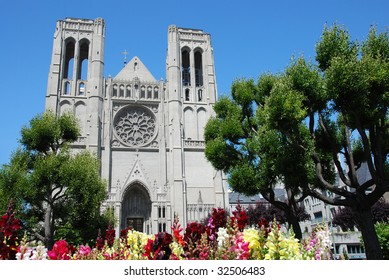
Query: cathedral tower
pixel 75 82
pixel 191 94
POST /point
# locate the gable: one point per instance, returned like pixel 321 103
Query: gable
pixel 135 69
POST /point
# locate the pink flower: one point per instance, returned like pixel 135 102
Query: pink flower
pixel 84 250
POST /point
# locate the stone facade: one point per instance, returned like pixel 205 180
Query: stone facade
pixel 148 134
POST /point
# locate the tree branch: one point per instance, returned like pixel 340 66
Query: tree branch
pixel 328 186
pixel 337 163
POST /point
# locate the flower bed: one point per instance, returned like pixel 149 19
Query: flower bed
pixel 223 238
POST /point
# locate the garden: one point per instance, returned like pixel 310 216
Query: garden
pixel 222 238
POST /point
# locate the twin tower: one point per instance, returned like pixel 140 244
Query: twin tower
pixel 147 134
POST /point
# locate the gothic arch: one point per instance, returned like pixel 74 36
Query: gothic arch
pixel 80 112
pixel 136 207
pixel 70 46
pixel 65 107
pixel 185 66
pixel 201 121
pixel 82 69
pixel 190 124
pixel 198 63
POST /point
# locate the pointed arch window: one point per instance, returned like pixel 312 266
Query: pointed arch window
pixel 81 89
pixel 121 91
pixel 200 95
pixel 187 94
pixel 83 62
pixel 69 60
pixel 115 91
pixel 128 91
pixel 143 92
pixel 185 68
pixel 67 88
pixel 199 68
pixel 156 93
pixel 149 92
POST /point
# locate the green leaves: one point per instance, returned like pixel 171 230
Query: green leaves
pixel 284 107
pixel 47 132
pixel 335 42
pixel 243 92
pixel 45 172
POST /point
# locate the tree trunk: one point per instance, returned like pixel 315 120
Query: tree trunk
pixel 365 222
pixel 294 223
pixel 49 230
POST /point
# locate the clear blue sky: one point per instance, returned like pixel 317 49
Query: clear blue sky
pixel 249 37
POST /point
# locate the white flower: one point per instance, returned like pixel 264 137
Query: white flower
pixel 222 236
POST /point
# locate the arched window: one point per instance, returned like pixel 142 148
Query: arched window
pixel 187 94
pixel 128 92
pixel 115 91
pixel 142 92
pixel 156 93
pixel 185 68
pixel 83 61
pixel 149 92
pixel 81 89
pixel 199 68
pixel 200 95
pixel 69 61
pixel 67 88
pixel 121 91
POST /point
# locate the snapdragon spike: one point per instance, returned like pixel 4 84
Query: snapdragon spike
pixel 9 227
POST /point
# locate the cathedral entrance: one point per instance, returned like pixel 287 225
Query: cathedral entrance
pixel 136 209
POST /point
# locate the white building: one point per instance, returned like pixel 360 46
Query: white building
pixel 148 134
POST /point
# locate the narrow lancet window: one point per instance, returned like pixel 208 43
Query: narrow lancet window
pixel 199 69
pixel 185 68
pixel 69 61
pixel 83 62
pixel 200 95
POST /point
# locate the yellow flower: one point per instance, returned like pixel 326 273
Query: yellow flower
pixel 251 235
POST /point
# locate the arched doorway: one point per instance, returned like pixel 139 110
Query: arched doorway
pixel 136 208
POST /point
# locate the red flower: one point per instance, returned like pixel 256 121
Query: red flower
pixel 99 241
pixel 60 251
pixel 193 232
pixel 110 235
pixel 264 225
pixel 240 217
pixel 9 227
pixel 159 249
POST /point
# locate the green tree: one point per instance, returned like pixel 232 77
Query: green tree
pixel 300 126
pixel 59 193
pixel 251 139
pixel 382 229
pixel 353 125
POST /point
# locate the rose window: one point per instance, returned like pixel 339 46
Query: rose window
pixel 135 126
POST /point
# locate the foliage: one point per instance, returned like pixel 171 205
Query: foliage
pixel 382 229
pixel 270 212
pixel 345 218
pixel 51 186
pixel 310 123
pixel 256 156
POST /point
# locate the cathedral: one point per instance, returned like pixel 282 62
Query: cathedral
pixel 148 134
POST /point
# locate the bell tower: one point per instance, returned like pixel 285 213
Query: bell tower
pixel 191 94
pixel 76 82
